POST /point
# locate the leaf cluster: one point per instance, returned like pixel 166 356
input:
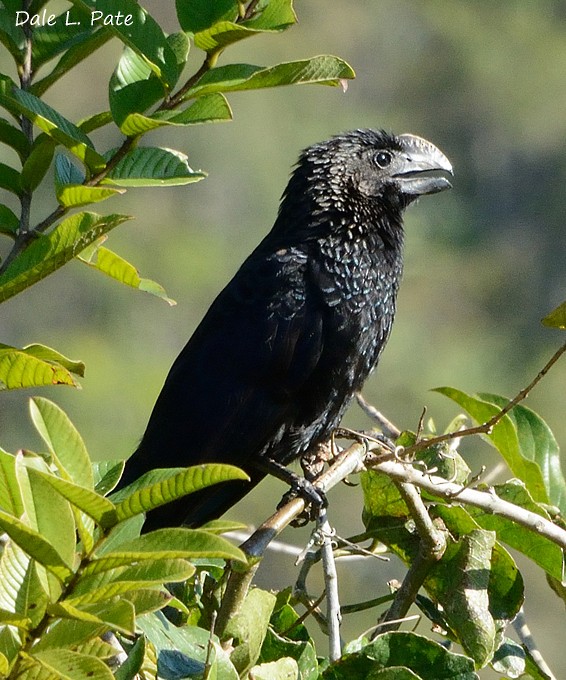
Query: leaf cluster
pixel 74 566
pixel 150 88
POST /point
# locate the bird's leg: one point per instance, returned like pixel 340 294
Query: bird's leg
pixel 300 486
pixel 314 460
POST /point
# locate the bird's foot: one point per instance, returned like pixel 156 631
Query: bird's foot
pixel 300 486
pixel 314 498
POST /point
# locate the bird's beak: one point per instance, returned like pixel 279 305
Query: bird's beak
pixel 419 164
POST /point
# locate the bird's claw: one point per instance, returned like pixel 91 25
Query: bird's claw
pixel 314 498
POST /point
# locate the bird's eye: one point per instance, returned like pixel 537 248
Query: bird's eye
pixel 383 159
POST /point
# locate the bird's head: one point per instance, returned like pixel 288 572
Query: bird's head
pixel 360 173
pixel 376 164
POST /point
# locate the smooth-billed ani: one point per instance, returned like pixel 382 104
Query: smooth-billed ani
pixel 277 358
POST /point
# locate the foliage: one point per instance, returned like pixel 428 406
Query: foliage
pixel 82 593
pixel 146 91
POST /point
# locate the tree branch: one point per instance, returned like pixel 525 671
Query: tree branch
pixel 431 548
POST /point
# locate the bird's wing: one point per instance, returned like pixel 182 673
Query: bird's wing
pixel 231 388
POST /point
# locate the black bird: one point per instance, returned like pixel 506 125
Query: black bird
pixel 272 367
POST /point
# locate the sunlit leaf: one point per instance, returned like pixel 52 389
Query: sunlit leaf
pixel 161 486
pixel 63 441
pixel 47 253
pixel 166 544
pixel 26 367
pixel 65 664
pixel 153 166
pixel 504 438
pixel 111 264
pixel 324 69
pixel 91 503
pixel 556 318
pixel 142 34
pixel 54 124
pixel 35 545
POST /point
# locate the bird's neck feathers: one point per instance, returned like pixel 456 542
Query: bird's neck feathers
pixel 317 205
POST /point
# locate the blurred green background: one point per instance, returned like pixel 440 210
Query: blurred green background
pixel 484 81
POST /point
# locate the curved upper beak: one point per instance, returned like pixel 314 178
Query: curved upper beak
pixel 419 167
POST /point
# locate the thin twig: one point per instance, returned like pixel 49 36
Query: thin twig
pixel 526 638
pixel 333 615
pixel 431 548
pixel 487 501
pixel 387 427
pixel 487 427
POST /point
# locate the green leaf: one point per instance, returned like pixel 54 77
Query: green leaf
pixel 70 188
pixel 9 223
pixel 11 36
pixel 73 56
pixel 166 544
pixel 54 124
pixel 556 318
pixel 37 163
pixel 543 552
pixel 11 619
pixel 133 89
pixel 428 659
pixel 509 659
pixel 504 438
pixel 66 172
pixel 161 486
pixel 301 651
pixel 226 33
pixel 117 614
pixel 35 366
pixel 49 514
pixel 459 576
pixel 36 546
pixel 48 253
pixel 132 665
pixel 537 444
pixel 108 592
pixel 77 195
pixel 143 35
pixel 10 496
pixel 63 441
pixel 15 138
pixel 276 670
pixel 107 474
pixel 181 45
pixel 92 504
pixel 198 15
pixel 210 108
pixel 69 633
pixel 248 628
pixel 184 644
pixel 146 573
pixel 68 29
pixel 111 264
pixel 153 166
pixel 275 16
pixel 96 121
pixel 65 665
pixel 10 179
pixel 324 69
pixel 20 588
